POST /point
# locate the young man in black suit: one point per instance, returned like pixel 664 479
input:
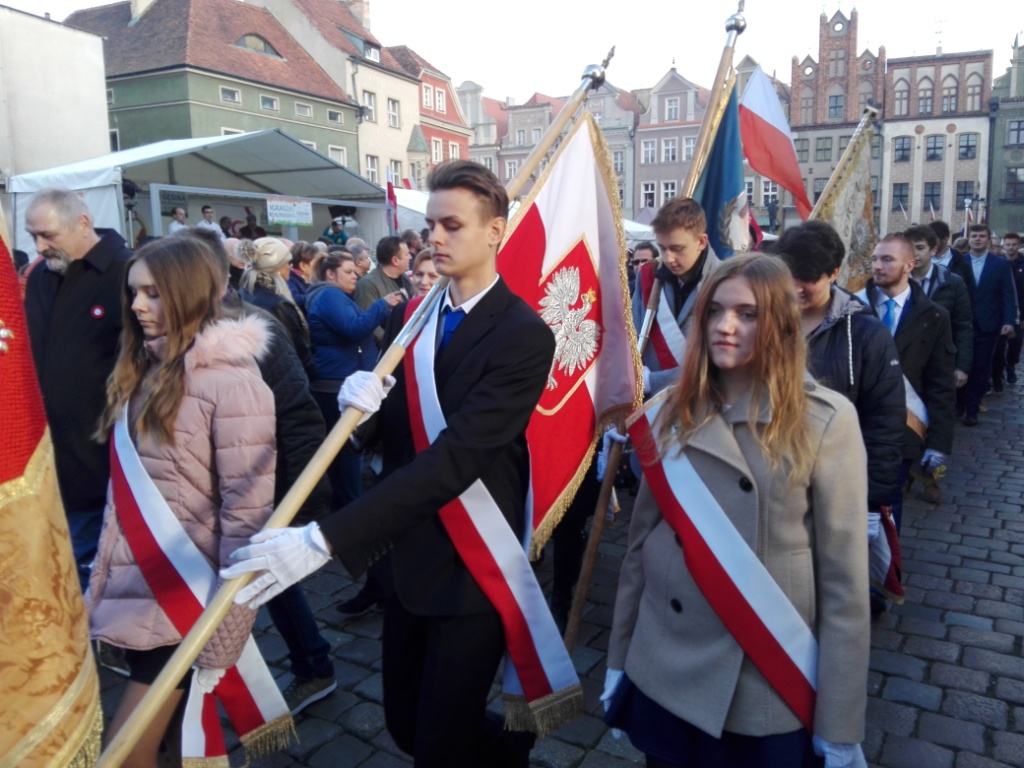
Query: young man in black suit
pixel 990 284
pixel 443 639
pixel 924 341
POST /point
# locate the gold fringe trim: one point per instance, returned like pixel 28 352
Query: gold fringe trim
pixel 89 752
pixel 557 511
pixel 270 737
pixel 545 715
pixel 205 762
pixel 29 483
pixel 893 598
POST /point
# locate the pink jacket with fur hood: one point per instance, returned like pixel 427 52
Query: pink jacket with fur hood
pixel 217 478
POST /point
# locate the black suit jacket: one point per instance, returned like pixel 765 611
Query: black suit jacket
pixel 74 320
pixel 994 300
pixel 489 379
pixel 924 341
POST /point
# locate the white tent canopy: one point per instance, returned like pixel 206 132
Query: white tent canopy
pixel 412 211
pixel 256 165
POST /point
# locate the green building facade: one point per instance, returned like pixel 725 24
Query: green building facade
pixel 1006 195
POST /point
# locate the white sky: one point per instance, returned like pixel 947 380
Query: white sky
pixel 543 45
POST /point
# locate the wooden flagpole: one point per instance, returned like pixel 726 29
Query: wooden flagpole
pixel 720 92
pixel 191 645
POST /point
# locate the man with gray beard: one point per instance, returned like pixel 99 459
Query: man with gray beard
pixel 73 306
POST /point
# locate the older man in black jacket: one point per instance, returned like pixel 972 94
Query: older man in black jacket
pixel 73 305
pixel 924 340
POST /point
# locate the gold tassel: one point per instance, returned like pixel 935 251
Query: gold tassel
pixel 545 715
pixel 205 762
pixel 270 737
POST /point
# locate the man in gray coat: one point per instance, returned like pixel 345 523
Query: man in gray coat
pixel 387 278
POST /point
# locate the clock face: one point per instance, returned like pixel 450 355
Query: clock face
pixel 866 64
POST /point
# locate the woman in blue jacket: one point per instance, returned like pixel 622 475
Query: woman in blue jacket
pixel 342 337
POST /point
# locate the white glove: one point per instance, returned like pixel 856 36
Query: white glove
pixel 874 525
pixel 206 679
pixel 287 555
pixel 612 678
pixel 364 390
pixel 839 755
pixel 611 436
pixel 933 459
pixel 645 374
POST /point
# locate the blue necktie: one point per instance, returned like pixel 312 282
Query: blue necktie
pixel 452 318
pixel 889 318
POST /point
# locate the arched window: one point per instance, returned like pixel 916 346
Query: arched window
pixel 836 103
pixel 949 84
pixel 258 44
pixel 901 97
pixel 807 106
pixel 865 92
pixel 974 83
pixel 925 98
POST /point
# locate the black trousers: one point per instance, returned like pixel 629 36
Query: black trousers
pixel 981 370
pixel 438 672
pixel 1006 356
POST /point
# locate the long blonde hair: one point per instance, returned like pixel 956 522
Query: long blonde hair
pixel 190 292
pixel 779 365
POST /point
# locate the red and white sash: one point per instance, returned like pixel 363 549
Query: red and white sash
pixel 541 688
pixel 735 583
pixel 183 581
pixel 666 338
pixel 917 411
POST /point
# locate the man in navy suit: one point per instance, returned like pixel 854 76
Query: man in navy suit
pixel 443 640
pixel 993 299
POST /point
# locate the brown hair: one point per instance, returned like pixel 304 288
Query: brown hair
pixel 780 356
pixel 680 213
pixel 427 254
pixel 190 290
pixel 329 262
pixel 465 174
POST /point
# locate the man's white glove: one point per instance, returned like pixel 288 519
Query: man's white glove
pixel 839 755
pixel 645 374
pixel 287 555
pixel 874 525
pixel 611 436
pixel 612 678
pixel 206 679
pixel 932 460
pixel 364 390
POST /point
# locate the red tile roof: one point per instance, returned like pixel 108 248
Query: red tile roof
pixel 202 34
pixel 495 110
pixel 412 62
pixel 333 19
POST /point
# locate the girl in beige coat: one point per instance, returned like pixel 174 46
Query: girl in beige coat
pixel 202 423
pixel 783 459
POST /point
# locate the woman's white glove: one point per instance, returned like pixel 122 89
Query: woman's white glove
pixel 612 678
pixel 839 755
pixel 206 679
pixel 364 390
pixel 611 436
pixel 287 555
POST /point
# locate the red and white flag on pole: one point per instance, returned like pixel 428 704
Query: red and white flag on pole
pixel 392 203
pixel 767 141
pixel 564 255
pixel 931 209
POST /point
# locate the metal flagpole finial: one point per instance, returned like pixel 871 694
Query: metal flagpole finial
pixel 595 73
pixel 737 22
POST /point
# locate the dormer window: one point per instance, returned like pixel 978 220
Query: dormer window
pixel 258 44
pixel 373 54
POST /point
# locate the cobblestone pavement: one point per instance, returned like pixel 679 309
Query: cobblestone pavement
pixel 946 684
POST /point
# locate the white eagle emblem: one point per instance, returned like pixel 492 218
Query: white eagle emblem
pixel 575 336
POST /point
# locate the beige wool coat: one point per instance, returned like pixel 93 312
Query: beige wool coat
pixel 217 478
pixel 812 538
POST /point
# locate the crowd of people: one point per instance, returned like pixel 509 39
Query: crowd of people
pixel 786 419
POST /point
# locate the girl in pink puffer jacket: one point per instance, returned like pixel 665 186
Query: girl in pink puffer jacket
pixel 193 407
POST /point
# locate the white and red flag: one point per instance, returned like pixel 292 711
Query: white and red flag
pixel 767 140
pixel 392 203
pixel 564 255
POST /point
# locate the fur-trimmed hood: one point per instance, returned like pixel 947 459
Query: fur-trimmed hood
pixel 228 341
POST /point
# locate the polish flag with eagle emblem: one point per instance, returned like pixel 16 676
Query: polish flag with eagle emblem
pixel 564 254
